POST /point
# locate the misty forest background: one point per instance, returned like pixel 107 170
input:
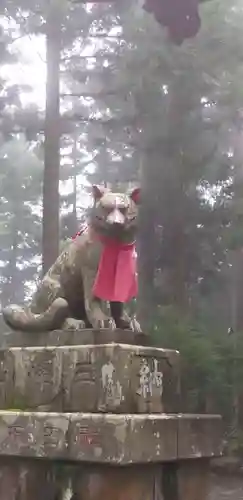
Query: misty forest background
pixel 134 109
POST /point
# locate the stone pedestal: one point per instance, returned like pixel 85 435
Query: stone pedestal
pixel 130 483
pixel 185 480
pixel 117 378
pixel 99 421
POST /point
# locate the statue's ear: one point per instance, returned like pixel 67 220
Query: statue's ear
pixel 97 192
pixel 135 195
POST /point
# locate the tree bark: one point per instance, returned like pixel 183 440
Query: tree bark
pixel 146 241
pixel 11 290
pixel 74 212
pixel 50 236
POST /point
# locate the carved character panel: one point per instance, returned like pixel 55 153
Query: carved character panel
pixel 37 376
pixel 148 389
pixel 79 380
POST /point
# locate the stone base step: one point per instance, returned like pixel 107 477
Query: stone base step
pixel 26 479
pixel 112 439
pixel 117 378
pixel 72 337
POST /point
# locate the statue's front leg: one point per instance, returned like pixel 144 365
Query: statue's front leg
pixel 97 318
pixel 122 319
pixel 120 316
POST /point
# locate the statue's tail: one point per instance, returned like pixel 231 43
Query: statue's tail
pixel 21 318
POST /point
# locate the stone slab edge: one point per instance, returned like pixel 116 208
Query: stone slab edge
pixel 109 438
pixel 72 337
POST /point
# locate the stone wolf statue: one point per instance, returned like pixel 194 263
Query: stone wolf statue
pixel 97 267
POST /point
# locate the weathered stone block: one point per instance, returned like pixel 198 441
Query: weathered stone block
pixel 114 396
pixel 116 378
pixel 81 379
pixel 99 438
pixel 119 379
pixel 37 378
pixel 123 439
pixel 155 380
pixel 26 480
pixel 33 434
pixel 38 479
pixel 153 435
pixel 123 483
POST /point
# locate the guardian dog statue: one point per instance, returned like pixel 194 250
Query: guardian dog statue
pixel 96 268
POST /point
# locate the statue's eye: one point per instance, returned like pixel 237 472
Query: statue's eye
pixel 123 210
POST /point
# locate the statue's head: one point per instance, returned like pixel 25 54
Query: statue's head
pixel 115 214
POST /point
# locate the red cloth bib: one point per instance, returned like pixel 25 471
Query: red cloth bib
pixel 116 279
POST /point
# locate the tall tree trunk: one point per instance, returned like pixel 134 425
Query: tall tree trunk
pixel 74 213
pixel 11 290
pixel 146 238
pixel 178 274
pixel 50 237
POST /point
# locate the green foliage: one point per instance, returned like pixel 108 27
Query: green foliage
pixel 206 361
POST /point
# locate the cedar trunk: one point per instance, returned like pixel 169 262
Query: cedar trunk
pixel 50 237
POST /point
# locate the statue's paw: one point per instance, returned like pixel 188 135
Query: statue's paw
pixel 73 324
pixel 99 320
pixel 135 326
pixel 100 324
pixel 111 324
